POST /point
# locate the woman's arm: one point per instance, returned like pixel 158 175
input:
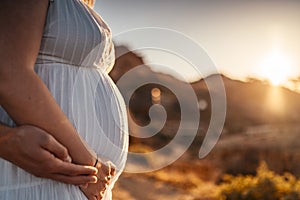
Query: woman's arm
pixel 33 150
pixel 22 93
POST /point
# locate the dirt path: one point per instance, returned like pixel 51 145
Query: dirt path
pixel 141 188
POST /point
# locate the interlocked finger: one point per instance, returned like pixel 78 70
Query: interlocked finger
pixel 101 195
pixel 111 169
pixel 108 178
pixel 106 169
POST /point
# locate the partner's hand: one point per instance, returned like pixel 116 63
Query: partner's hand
pixel 95 191
pixel 37 152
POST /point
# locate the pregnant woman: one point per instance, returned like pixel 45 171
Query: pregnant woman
pixel 55 56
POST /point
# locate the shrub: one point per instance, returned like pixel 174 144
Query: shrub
pixel 266 185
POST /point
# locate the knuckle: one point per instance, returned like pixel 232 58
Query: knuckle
pixel 45 139
pixel 64 151
pixel 49 166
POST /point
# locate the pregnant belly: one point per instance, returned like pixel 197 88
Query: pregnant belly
pixel 94 105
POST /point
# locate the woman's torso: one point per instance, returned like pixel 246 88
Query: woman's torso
pixel 75 56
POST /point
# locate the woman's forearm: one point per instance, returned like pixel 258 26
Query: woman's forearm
pixel 28 101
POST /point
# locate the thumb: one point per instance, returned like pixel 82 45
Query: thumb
pixel 56 148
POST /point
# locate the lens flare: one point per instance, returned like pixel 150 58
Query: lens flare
pixel 277 68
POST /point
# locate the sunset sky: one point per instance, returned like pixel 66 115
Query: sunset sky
pixel 243 38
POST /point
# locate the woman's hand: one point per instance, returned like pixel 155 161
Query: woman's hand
pixel 95 191
pixel 37 152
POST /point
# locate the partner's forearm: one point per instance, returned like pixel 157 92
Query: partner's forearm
pixel 28 101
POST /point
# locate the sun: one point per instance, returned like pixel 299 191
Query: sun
pixel 276 68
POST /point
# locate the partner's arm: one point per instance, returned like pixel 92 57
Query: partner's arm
pixel 22 93
pixel 33 150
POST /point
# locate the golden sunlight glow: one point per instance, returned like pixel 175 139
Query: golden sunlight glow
pixel 275 101
pixel 276 68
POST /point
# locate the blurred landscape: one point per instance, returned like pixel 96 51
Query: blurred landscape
pixel 260 136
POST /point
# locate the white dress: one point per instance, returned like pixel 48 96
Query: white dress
pixel 75 57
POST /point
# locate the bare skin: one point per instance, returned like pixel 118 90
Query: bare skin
pixel 37 152
pixel 22 93
pixel 95 191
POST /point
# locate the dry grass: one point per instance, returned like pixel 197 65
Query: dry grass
pixel 192 179
pixel 196 178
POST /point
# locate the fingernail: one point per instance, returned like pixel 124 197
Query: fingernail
pixel 68 159
pixel 94 171
pixel 94 179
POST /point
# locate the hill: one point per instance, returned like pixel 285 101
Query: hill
pixel 261 120
pixel 250 103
